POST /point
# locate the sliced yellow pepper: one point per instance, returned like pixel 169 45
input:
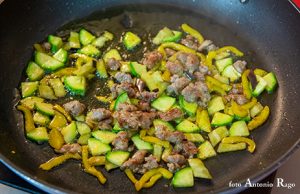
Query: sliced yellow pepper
pixel 56 139
pixel 64 72
pixel 259 119
pixel 152 180
pixel 166 153
pixel 104 99
pixel 143 133
pixel 246 85
pixel 29 123
pixel 238 110
pixel 214 88
pixel 59 160
pixel 97 160
pixel 151 139
pixel 90 169
pixel 193 32
pixel 209 58
pixel 139 184
pixel 63 111
pixel 235 139
pixel 250 104
pixel 232 49
pixel 166 76
pixel 165 173
pixel 216 82
pixel 58 121
pixel 130 175
pixel 260 72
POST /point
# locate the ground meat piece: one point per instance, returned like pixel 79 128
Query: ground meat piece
pixel 199 76
pixel 127 107
pixel 238 98
pixel 70 148
pixel 140 84
pixel 190 61
pixel 190 42
pixel 170 115
pixel 151 162
pixel 121 141
pixel 174 67
pixel 172 136
pixel 169 52
pixel 178 83
pixel 74 107
pixel 236 89
pixel 123 77
pixel 204 69
pixel 144 106
pixel 99 114
pixel 105 124
pixel 118 89
pixel 113 64
pixel 46 46
pixel 207 45
pixel 133 162
pixel 186 148
pixel 146 119
pixel 175 161
pixel 197 91
pixel 147 96
pixel 151 59
pixel 240 66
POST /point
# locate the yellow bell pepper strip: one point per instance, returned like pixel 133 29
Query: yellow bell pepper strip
pixel 216 82
pixel 152 180
pixel 63 111
pixel 151 139
pixel 83 56
pixel 90 169
pixel 64 72
pixel 232 49
pixel 58 121
pixel 260 72
pixel 214 88
pixel 139 184
pixel 250 104
pixel 234 139
pixel 59 160
pixel 151 131
pixel 56 139
pixel 209 58
pixel 238 110
pixel 130 175
pixel 97 160
pixel 165 173
pixel 143 133
pixel 259 119
pixel 193 32
pixel 246 85
pixel 166 153
pixel 29 123
pixel 166 76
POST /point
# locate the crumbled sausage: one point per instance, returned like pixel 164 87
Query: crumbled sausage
pixel 172 136
pixel 123 77
pixel 75 108
pixel 70 148
pixel 113 64
pixel 151 59
pixel 189 61
pixel 118 89
pixel 197 92
pixel 137 159
pixel 240 66
pixel 147 96
pixel 175 162
pixel 174 67
pixel 190 41
pixel 178 83
pixel 171 114
pixel 121 141
pixel 207 45
pixel 169 52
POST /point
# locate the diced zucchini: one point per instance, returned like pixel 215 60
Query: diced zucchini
pixel 89 50
pixel 85 37
pixel 80 118
pixel 131 40
pixel 75 84
pixel 100 41
pixel 29 102
pixel 221 119
pixel 216 104
pixel 256 109
pixel 58 87
pixel 83 139
pixel 231 73
pixel 166 124
pixel 117 128
pixel 96 147
pixel 227 147
pixel 41 119
pixel 74 40
pixel 206 150
pixel 82 128
pixel 85 70
pixel 183 178
pixel 217 135
pixel 38 135
pixel 46 92
pixel 163 103
pixel 101 69
pixel 29 88
pixel 109 166
pixel 61 55
pixel 137 69
pixel 162 34
pixel 56 43
pixel 112 53
pixel 34 71
pixel 187 126
pixel 154 81
pixel 239 128
pixel 222 55
pixel 223 63
pixel 194 137
pixel 122 98
pixel 202 120
pixel 44 108
pixel 117 157
pixel 140 144
pixel 69 132
pixel 104 136
pixel 47 62
pixel 189 107
pixel 157 151
pixel 262 84
pixel 199 169
pixel 272 83
pixel 175 38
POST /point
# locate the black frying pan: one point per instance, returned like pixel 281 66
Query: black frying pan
pixel 268 31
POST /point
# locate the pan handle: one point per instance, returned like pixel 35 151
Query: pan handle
pixel 296 4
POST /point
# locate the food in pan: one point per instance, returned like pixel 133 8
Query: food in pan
pixel 160 116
